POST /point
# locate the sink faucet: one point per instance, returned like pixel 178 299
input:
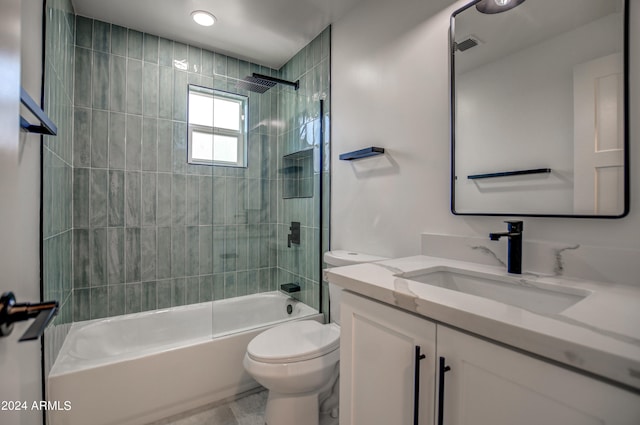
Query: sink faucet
pixel 514 246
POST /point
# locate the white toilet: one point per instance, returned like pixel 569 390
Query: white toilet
pixel 298 361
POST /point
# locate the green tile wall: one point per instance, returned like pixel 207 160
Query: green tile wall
pixel 129 225
pixel 57 172
pixel 151 231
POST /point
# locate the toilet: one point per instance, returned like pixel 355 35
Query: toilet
pixel 298 362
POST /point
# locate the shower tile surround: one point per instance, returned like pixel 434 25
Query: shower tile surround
pixel 151 231
pixel 57 175
pixel 129 225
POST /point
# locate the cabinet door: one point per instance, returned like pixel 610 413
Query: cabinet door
pixel 377 364
pixel 492 385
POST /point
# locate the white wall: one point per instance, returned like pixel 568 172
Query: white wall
pixel 19 201
pixel 390 82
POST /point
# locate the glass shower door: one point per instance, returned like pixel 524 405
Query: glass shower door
pixel 299 203
pixel 270 241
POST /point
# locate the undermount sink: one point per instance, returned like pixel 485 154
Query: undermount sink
pixel 537 297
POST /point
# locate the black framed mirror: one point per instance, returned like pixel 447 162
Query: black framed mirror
pixel 539 108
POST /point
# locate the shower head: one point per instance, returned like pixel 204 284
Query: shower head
pixel 255 84
pixel 261 83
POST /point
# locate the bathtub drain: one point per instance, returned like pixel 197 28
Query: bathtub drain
pixel 289 309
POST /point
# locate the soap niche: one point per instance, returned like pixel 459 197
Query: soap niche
pixel 297 174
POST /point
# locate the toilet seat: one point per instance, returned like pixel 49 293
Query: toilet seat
pixel 294 342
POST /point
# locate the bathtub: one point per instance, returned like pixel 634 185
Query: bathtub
pixel 142 367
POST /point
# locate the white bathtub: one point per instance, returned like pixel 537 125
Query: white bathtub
pixel 138 368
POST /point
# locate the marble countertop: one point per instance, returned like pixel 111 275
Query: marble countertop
pixel 599 334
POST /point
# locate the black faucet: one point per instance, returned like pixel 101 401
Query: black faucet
pixel 294 236
pixel 514 246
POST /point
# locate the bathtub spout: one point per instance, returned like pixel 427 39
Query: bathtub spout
pixel 290 288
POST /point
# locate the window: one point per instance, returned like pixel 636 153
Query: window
pixel 217 127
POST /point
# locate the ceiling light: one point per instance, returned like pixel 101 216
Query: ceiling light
pixel 203 18
pixel 497 6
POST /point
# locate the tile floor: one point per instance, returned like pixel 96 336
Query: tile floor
pixel 247 410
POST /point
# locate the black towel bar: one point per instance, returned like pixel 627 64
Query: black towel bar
pixel 362 153
pixel 47 126
pixel 509 173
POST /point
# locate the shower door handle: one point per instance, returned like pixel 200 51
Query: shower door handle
pixel 416 385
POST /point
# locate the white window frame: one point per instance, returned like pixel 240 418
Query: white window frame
pixel 241 135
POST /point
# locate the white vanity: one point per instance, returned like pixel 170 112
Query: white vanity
pixel 498 349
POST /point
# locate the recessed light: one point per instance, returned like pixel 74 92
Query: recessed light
pixel 203 18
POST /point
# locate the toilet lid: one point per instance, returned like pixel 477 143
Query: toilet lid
pixel 294 342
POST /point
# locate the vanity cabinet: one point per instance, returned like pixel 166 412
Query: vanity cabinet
pixel 490 384
pixel 379 361
pixel 482 383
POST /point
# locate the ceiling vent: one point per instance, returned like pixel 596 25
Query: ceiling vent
pixel 467 43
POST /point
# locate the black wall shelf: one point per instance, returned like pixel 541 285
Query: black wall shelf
pixel 46 126
pixel 362 153
pixel 509 173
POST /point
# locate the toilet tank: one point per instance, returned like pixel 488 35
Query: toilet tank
pixel 340 258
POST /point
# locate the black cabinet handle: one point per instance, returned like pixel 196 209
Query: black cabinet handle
pixel 443 370
pixel 416 385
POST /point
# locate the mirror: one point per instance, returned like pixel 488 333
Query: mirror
pixel 539 109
